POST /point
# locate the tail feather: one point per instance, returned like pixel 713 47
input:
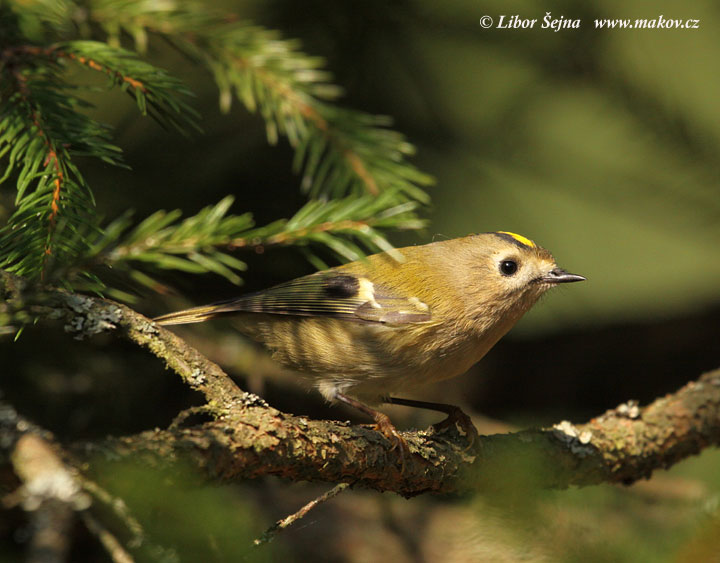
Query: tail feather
pixel 194 315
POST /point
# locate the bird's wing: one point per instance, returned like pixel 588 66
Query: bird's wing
pixel 326 294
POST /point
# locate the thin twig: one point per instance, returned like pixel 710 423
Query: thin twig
pixel 111 544
pixel 280 525
pixel 182 417
pixel 119 508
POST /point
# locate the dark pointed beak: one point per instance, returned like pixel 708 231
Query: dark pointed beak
pixel 558 275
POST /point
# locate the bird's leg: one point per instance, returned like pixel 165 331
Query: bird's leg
pixel 382 422
pixel 455 416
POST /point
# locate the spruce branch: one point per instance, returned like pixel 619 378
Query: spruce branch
pixel 336 223
pixel 156 92
pixel 161 241
pixel 206 242
pixel 41 130
pixel 40 19
pixel 339 151
pixel 348 155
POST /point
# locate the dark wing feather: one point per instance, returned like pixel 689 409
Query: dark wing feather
pixel 327 294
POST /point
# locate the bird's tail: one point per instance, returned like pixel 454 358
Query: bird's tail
pixel 197 314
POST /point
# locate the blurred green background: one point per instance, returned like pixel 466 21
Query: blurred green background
pixel 601 145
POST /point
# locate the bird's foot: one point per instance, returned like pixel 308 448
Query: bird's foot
pixel 382 425
pixel 458 419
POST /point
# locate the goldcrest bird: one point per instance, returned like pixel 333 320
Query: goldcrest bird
pixel 370 328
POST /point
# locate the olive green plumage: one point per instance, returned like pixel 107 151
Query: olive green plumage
pixel 372 327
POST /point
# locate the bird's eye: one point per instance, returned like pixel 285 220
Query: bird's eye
pixel 508 267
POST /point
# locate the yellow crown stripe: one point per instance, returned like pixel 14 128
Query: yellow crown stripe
pixel 521 239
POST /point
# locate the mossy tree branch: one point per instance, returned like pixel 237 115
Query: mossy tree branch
pixel 620 446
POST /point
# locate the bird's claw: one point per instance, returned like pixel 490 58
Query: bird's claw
pixel 387 429
pixel 457 418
